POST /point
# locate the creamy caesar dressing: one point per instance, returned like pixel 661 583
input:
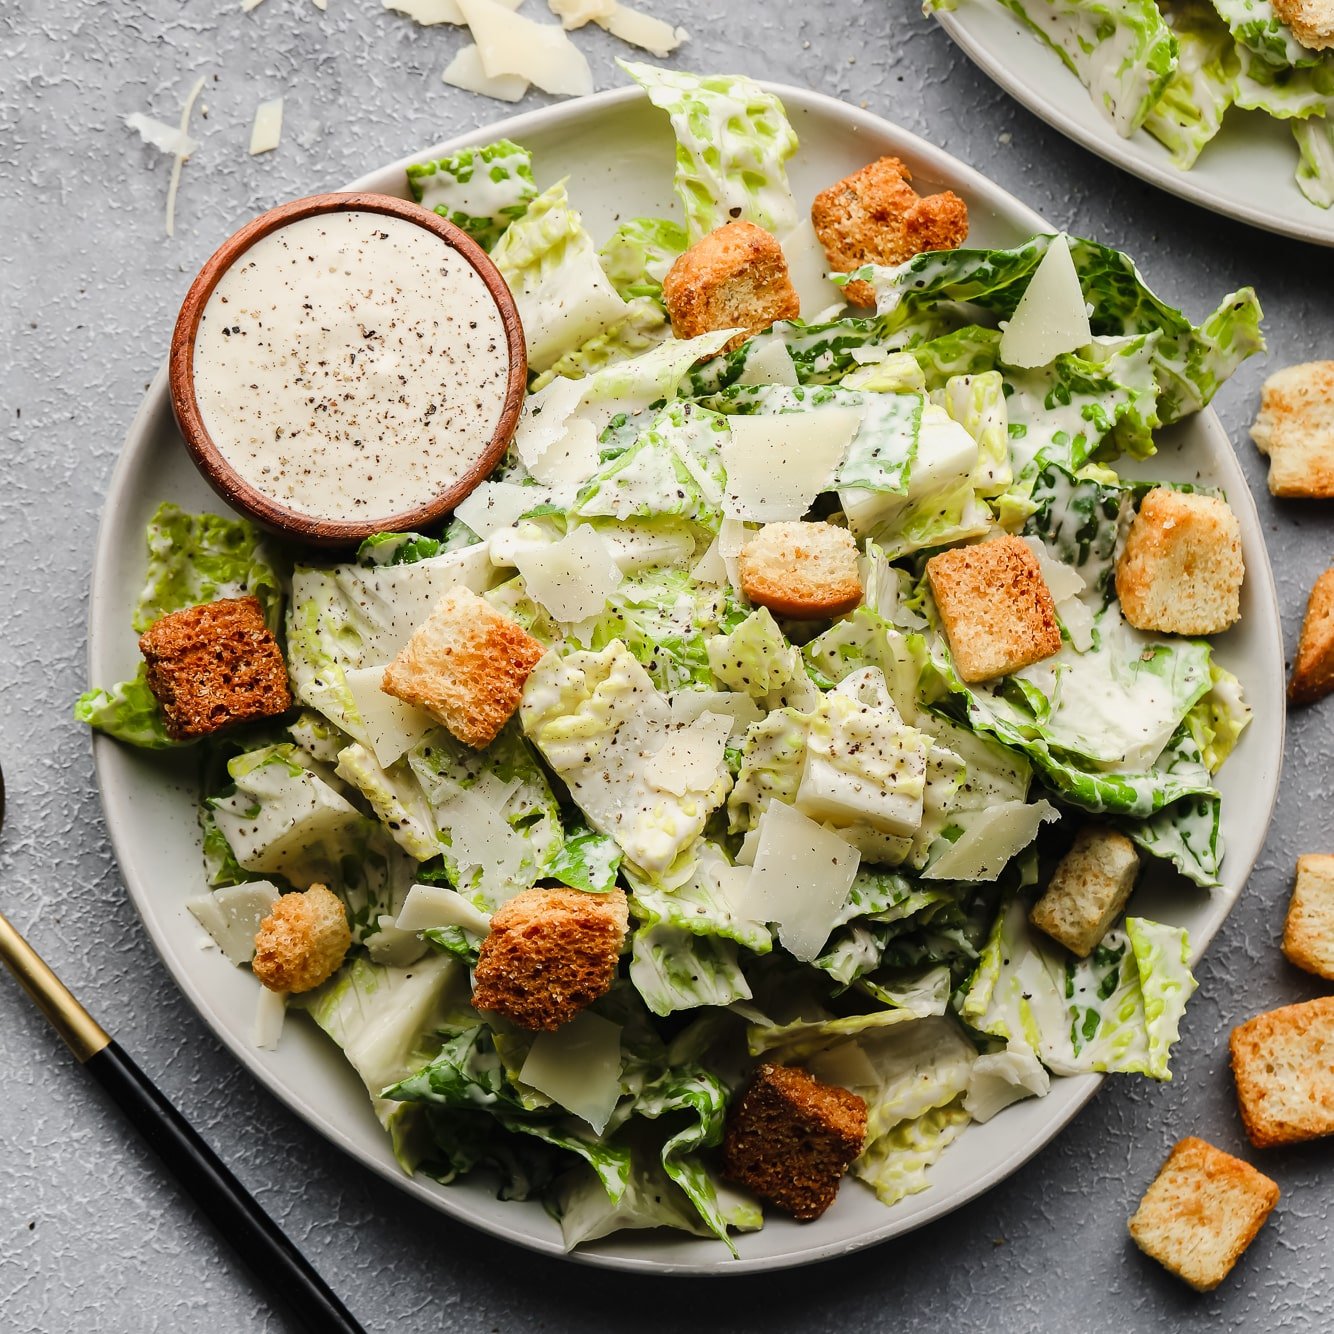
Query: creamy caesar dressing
pixel 351 366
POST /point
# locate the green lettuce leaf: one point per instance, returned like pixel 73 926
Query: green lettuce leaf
pixel 1315 171
pixel 128 712
pixel 482 190
pixel 1190 112
pixel 638 254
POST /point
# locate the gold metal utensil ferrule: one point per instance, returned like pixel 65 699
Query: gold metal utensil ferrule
pixel 83 1035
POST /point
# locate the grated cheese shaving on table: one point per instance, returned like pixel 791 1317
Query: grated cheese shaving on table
pixel 180 157
pixel 267 131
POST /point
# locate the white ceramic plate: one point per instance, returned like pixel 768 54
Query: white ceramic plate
pixel 1246 172
pixel 618 153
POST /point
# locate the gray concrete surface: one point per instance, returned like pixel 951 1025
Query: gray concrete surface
pixel 92 1237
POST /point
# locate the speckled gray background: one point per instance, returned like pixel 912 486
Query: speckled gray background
pixel 92 1237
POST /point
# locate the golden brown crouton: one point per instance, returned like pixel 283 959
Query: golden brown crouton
pixel 1181 570
pixel 734 278
pixel 875 217
pixel 1313 671
pixel 996 607
pixel 1295 427
pixel 215 666
pixel 466 665
pixel 1283 1063
pixel 550 952
pixel 790 1138
pixel 1311 21
pixel 804 570
pixel 302 941
pixel 1201 1212
pixel 1088 889
pixel 1308 934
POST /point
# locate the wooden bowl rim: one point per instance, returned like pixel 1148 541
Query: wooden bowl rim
pixel 248 499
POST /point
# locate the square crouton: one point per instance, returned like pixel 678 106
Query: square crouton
pixel 1283 1063
pixel 790 1139
pixel 807 571
pixel 1311 21
pixel 1181 570
pixel 466 665
pixel 1088 889
pixel 1313 671
pixel 1308 934
pixel 1295 427
pixel 875 217
pixel 550 953
pixel 1201 1212
pixel 215 666
pixel 734 278
pixel 996 607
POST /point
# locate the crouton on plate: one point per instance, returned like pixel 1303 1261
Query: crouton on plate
pixel 303 940
pixel 1295 427
pixel 996 607
pixel 1088 889
pixel 1283 1063
pixel 803 570
pixel 1181 570
pixel 550 953
pixel 875 216
pixel 790 1138
pixel 1311 21
pixel 1201 1212
pixel 1313 671
pixel 466 665
pixel 1308 934
pixel 734 278
pixel 214 666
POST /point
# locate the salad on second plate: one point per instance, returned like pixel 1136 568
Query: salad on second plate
pixel 748 784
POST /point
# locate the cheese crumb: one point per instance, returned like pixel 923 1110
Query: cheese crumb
pixel 267 131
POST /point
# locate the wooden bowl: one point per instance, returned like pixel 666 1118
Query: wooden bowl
pixel 255 504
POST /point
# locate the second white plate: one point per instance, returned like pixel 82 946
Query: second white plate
pixel 1247 172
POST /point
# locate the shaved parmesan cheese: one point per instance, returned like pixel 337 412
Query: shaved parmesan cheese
pixel 248 5
pixel 575 13
pixel 996 1081
pixel 429 906
pixel 640 29
pixel 232 916
pixel 732 537
pixel 180 157
pixel 578 1066
pixel 427 13
pixel 846 1065
pixel 772 364
pixel 687 705
pixel 391 727
pixel 691 759
pixel 538 52
pixel 270 1011
pixel 710 568
pixel 497 505
pixel 800 879
pixel 392 947
pixel 321 5
pixel 992 837
pixel 808 268
pixel 1051 316
pixel 544 418
pixel 571 458
pixel 465 71
pixel 571 578
pixel 1066 585
pixel 777 463
pixel 267 131
pixel 745 855
pixel 165 138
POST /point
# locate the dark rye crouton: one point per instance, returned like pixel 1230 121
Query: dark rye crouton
pixel 466 665
pixel 1313 671
pixel 1201 1212
pixel 790 1139
pixel 875 217
pixel 996 607
pixel 734 278
pixel 1283 1062
pixel 214 666
pixel 550 953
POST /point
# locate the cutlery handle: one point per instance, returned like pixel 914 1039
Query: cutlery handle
pixel 223 1199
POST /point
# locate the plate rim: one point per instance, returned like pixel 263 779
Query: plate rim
pixel 1111 147
pixel 1077 1090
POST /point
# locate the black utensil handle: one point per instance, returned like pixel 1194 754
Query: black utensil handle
pixel 229 1206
